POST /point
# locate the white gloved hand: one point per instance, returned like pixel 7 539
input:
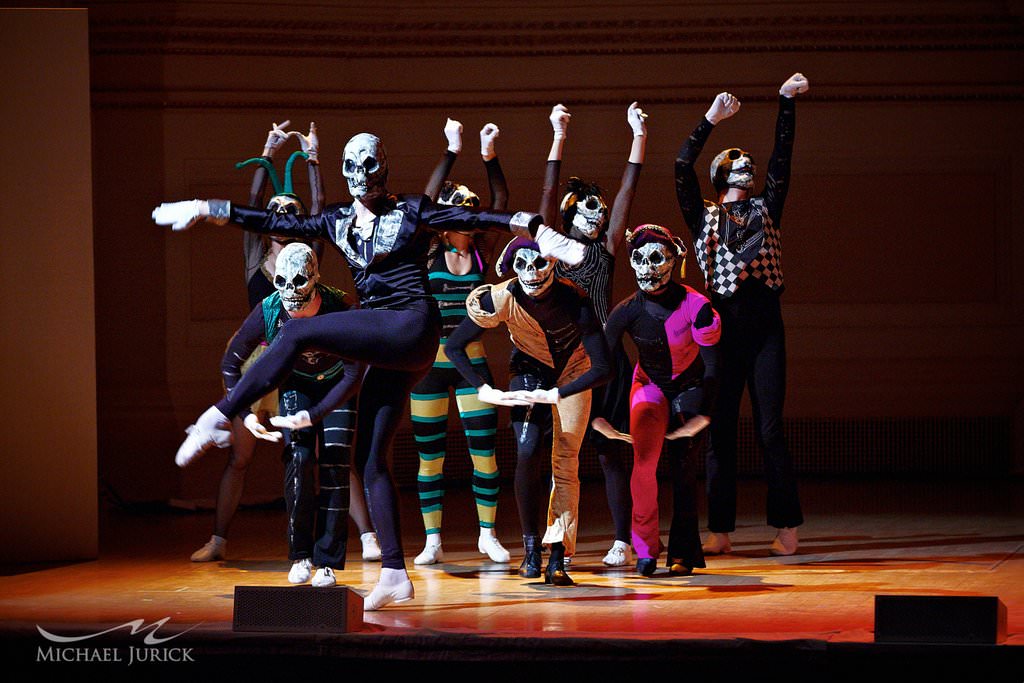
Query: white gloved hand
pixel 180 215
pixel 453 132
pixel 310 144
pixel 488 134
pixel 487 394
pixel 637 119
pixel 554 243
pixel 275 138
pixel 253 424
pixel 299 420
pixel 559 118
pixel 795 85
pixel 541 395
pixel 602 426
pixel 724 106
pixel 691 427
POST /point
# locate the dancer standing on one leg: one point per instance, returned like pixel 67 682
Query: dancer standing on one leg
pixel 260 263
pixel 385 240
pixel 316 534
pixel 675 330
pixel 558 354
pixel 456 267
pixel 738 245
pixel 586 218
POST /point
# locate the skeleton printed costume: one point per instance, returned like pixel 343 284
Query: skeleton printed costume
pixel 586 218
pixel 453 274
pixel 675 331
pixel 317 525
pixel 385 240
pixel 738 247
pixel 558 353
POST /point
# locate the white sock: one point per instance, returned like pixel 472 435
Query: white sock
pixel 392 577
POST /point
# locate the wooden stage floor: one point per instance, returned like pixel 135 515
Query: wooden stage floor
pixel 862 538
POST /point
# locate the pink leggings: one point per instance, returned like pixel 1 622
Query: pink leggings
pixel 648 421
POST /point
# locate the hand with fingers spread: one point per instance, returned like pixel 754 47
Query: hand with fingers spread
pixel 637 119
pixel 796 84
pixel 253 424
pixel 724 106
pixel 310 144
pixel 299 420
pixel 487 394
pixel 275 138
pixel 488 134
pixel 453 133
pixel 559 118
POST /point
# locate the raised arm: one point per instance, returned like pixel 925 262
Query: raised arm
pixel 253 246
pixel 777 183
pixel 559 118
pixel 617 222
pixel 687 186
pixel 453 134
pixel 310 144
pixel 495 177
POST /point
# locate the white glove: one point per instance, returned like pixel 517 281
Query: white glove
pixel 691 427
pixel 500 398
pixel 453 131
pixel 795 85
pixel 602 426
pixel 299 420
pixel 541 395
pixel 554 243
pixel 310 143
pixel 636 118
pixel 275 138
pixel 253 424
pixel 487 136
pixel 559 118
pixel 724 106
pixel 180 215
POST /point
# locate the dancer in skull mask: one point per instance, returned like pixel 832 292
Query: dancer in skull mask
pixel 316 534
pixel 737 242
pixel 675 330
pixel 385 240
pixel 586 218
pixel 558 354
pixel 260 263
pixel 456 266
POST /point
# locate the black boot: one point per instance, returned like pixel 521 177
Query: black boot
pixel 530 568
pixel 555 572
pixel 645 566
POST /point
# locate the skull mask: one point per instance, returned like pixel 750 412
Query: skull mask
pixel 296 277
pixel 652 264
pixel 365 165
pixel 590 215
pixel 536 273
pixel 733 168
pixel 454 194
pixel 286 204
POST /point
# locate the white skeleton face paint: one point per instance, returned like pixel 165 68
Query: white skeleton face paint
pixel 536 273
pixel 364 165
pixel 296 277
pixel 590 216
pixel 733 168
pixel 652 263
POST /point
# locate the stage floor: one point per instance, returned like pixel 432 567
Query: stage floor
pixel 861 538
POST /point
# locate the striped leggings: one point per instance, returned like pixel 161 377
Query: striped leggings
pixel 429 406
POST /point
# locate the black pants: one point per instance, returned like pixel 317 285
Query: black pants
pixel 317 523
pixel 753 349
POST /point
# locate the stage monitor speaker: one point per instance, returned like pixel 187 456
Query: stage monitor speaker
pixel 939 619
pixel 297 609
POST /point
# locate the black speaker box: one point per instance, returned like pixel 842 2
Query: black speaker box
pixel 939 619
pixel 297 609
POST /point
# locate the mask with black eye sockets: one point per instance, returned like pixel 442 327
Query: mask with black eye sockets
pixel 365 165
pixel 286 204
pixel 652 264
pixel 733 167
pixel 536 273
pixel 454 194
pixel 296 275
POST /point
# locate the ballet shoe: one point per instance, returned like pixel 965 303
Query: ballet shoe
pixel 301 571
pixel 212 429
pixel 324 578
pixel 619 555
pixel 717 544
pixel 490 546
pixel 381 596
pixel 432 553
pixel 785 542
pixel 212 551
pixel 371 548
